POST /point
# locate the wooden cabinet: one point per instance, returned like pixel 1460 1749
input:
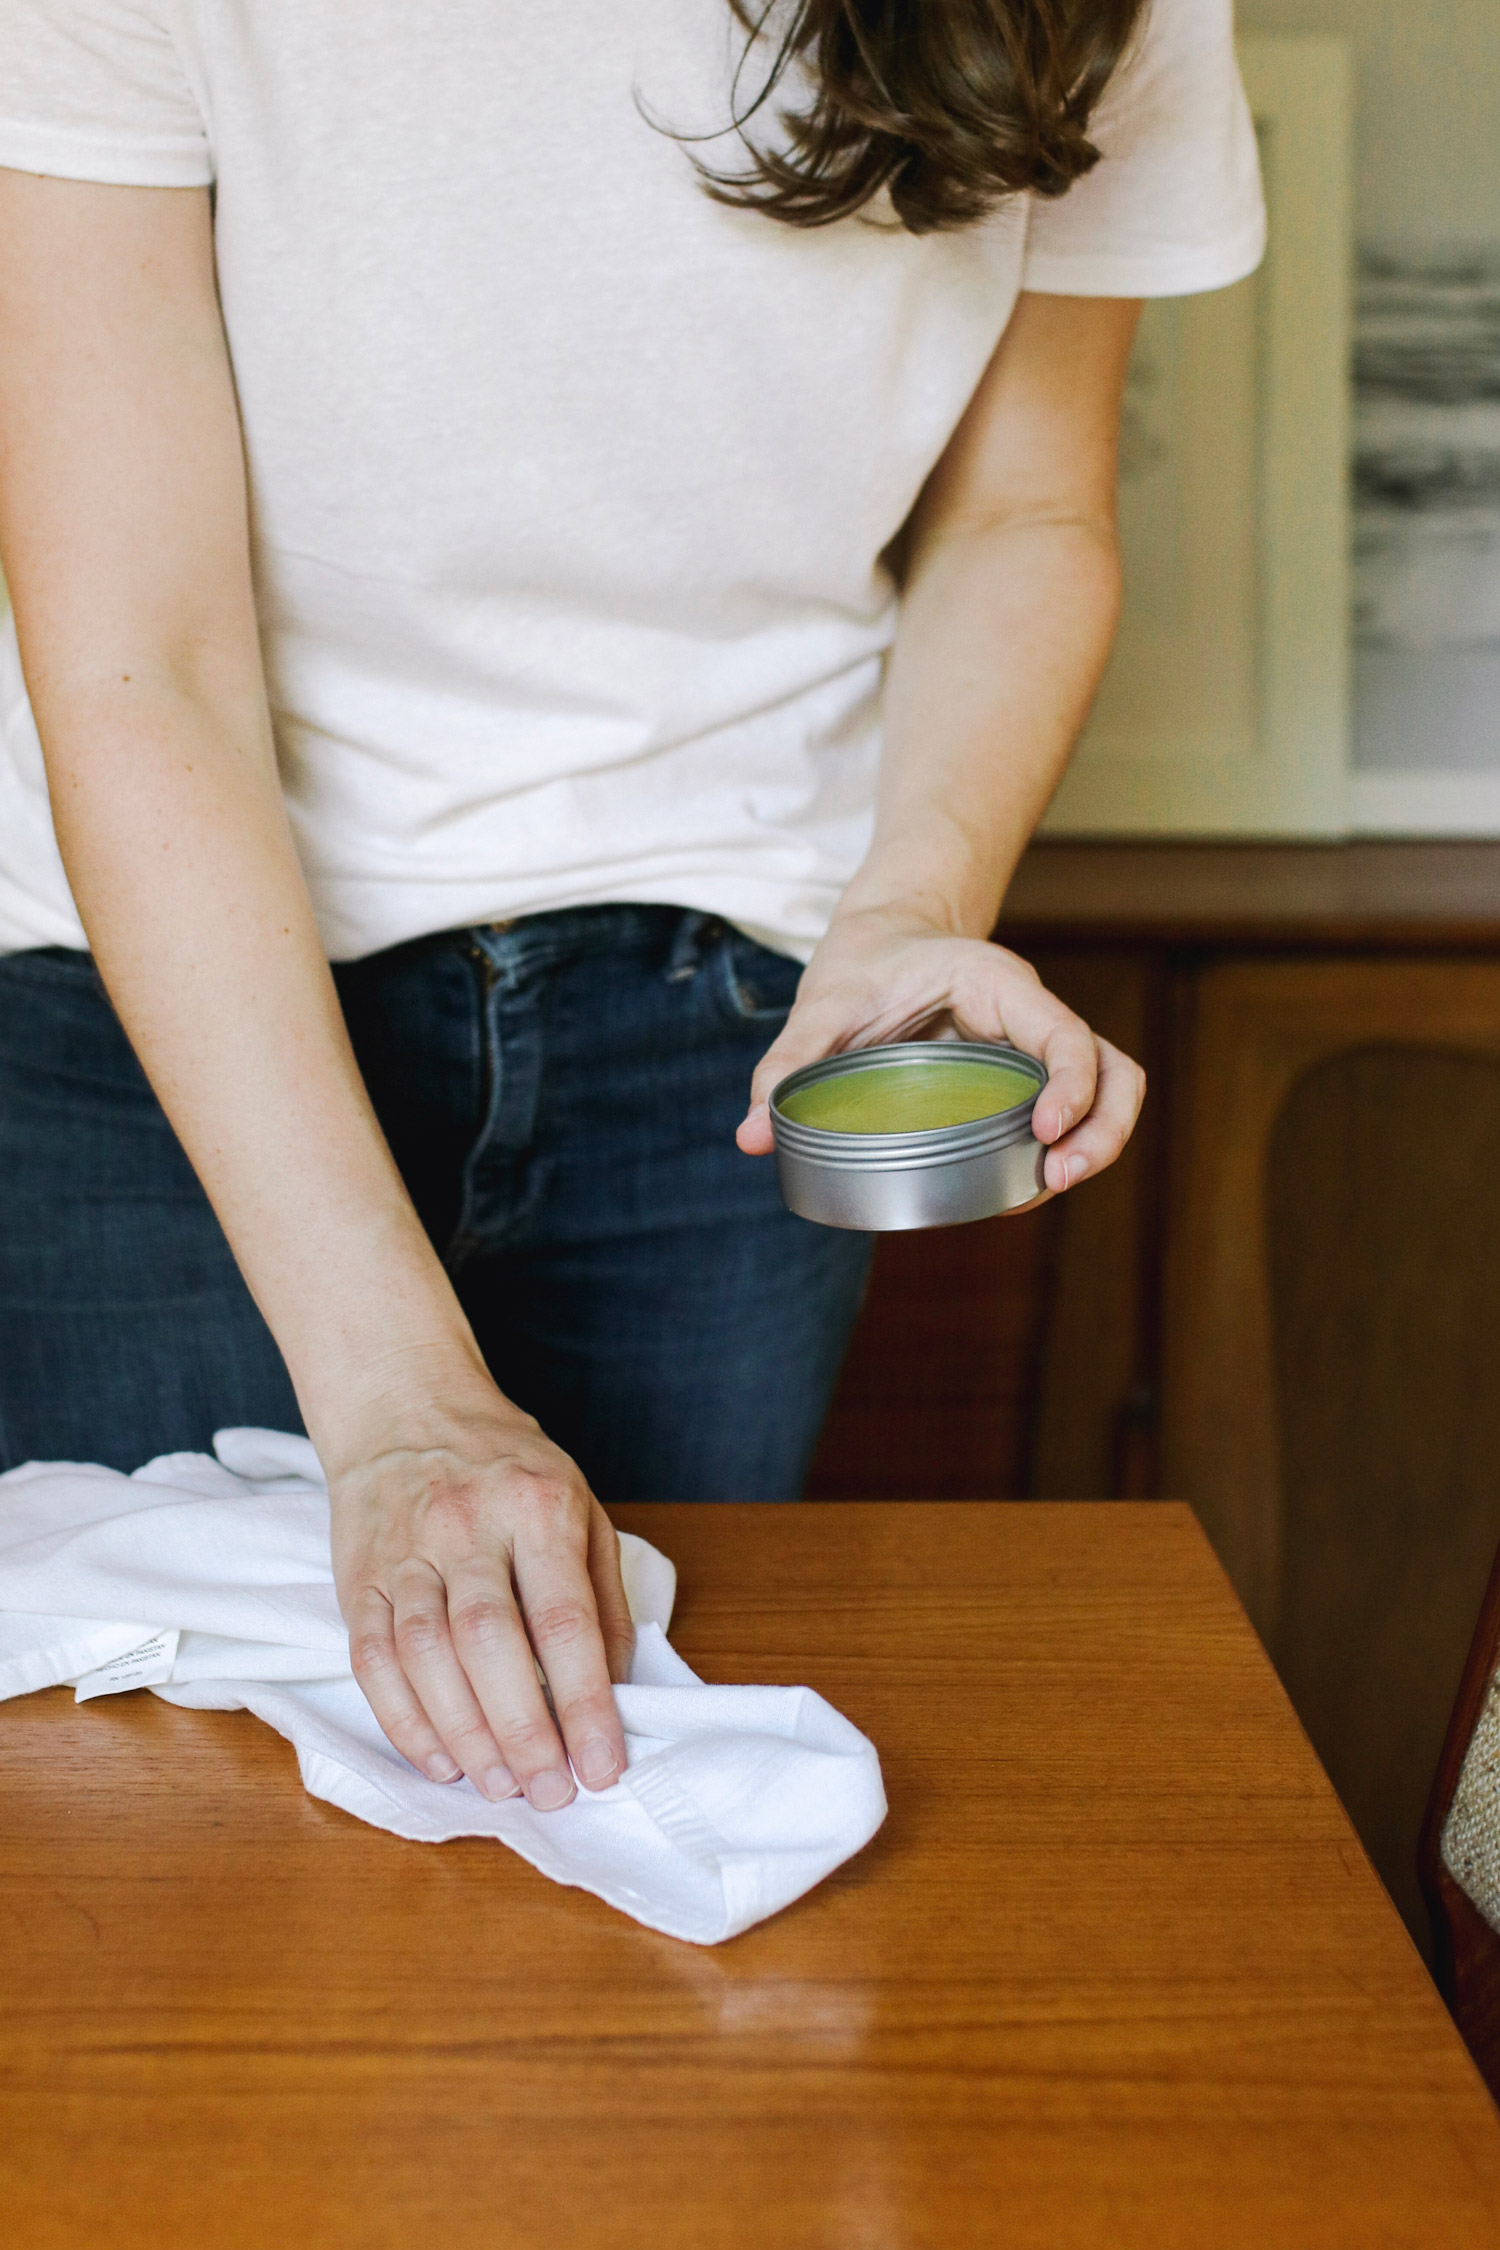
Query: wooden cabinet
pixel 1283 1305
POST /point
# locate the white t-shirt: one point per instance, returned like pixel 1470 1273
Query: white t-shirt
pixel 569 485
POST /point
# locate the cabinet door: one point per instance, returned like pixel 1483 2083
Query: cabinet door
pixel 1225 709
pixel 1332 1330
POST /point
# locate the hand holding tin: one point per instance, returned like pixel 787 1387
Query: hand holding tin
pixel 877 978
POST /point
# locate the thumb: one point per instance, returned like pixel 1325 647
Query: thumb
pixel 812 1030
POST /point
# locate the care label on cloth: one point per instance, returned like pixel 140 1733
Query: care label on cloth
pixel 147 1666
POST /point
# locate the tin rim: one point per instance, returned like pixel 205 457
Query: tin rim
pixel 941 1144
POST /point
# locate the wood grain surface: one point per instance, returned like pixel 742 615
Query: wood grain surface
pixel 1373 894
pixel 1115 1973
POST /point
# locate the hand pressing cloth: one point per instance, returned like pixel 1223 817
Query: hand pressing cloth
pixel 209 1582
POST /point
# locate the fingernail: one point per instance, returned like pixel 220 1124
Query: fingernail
pixel 1064 1187
pixel 550 1790
pixel 498 1784
pixel 596 1763
pixel 442 1768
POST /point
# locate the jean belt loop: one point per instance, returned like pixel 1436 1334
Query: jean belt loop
pixel 487 943
pixel 695 933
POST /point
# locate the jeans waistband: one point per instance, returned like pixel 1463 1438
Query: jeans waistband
pixel 529 942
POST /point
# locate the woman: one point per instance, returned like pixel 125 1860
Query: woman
pixel 455 477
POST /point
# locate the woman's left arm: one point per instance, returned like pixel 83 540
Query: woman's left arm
pixel 1010 598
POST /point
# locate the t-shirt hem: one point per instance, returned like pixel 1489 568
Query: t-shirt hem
pixel 352 932
pixel 162 160
pixel 1160 273
pixel 28 923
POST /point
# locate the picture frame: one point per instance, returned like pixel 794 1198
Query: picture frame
pixel 1427 543
pixel 1226 706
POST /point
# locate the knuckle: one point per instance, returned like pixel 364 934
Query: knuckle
pixel 451 1512
pixel 527 1745
pixel 621 1654
pixel 479 1620
pixel 557 1624
pixel 410 1734
pixel 371 1653
pixel 553 1500
pixel 421 1633
pixel 470 1740
pixel 1014 964
pixel 592 1709
pixel 619 1630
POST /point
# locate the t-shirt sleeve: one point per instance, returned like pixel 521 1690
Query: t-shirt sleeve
pixel 1174 203
pixel 97 90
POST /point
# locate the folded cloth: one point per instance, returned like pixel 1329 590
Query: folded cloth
pixel 209 1582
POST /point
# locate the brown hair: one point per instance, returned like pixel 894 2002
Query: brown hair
pixel 951 105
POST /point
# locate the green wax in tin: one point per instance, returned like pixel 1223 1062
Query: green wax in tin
pixel 914 1097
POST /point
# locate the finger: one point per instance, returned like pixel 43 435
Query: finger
pixel 1095 1144
pixel 430 1660
pixel 491 1646
pixel 1002 997
pixel 1071 1054
pixel 799 1041
pixel 851 1015
pixel 389 1693
pixel 753 1135
pixel 609 1594
pixel 815 1028
pixel 562 1621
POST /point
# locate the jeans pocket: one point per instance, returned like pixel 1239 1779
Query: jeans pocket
pixel 754 984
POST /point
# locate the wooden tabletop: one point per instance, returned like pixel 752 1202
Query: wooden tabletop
pixel 1115 1973
pixel 1370 895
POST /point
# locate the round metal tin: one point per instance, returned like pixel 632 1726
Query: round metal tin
pixel 886 1183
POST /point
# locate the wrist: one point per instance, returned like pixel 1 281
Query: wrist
pixel 437 1397
pixel 919 890
pixel 390 1359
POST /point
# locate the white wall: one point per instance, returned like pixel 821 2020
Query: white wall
pixel 1428 121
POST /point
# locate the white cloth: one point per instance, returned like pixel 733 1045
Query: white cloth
pixel 209 1582
pixel 570 486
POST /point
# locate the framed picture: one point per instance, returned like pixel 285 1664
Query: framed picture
pixel 1225 709
pixel 1427 545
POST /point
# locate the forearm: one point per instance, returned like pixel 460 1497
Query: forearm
pixel 1004 633
pixel 466 1547
pixel 175 839
pixel 1010 597
pixel 124 526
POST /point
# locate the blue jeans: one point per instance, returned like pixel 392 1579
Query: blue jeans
pixel 561 1096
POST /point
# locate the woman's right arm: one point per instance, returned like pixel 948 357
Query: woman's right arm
pixel 463 1539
